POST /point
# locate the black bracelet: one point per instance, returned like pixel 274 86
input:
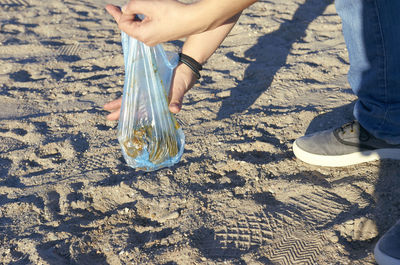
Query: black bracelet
pixel 191 63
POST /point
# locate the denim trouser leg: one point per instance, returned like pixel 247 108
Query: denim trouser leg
pixel 371 29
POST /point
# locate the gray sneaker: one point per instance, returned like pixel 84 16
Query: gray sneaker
pixel 387 250
pixel 347 145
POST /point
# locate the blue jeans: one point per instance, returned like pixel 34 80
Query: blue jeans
pixel 371 30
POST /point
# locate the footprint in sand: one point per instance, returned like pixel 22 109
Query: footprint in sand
pixel 297 246
pixel 69 53
pixel 12 5
pixel 360 229
pixel 56 153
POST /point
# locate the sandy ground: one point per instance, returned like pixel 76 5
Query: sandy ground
pixel 237 197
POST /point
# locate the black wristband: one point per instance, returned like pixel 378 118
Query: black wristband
pixel 191 63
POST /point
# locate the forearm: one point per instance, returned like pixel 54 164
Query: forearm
pixel 171 20
pixel 213 13
pixel 201 46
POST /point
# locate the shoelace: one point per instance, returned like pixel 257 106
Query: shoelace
pixel 363 134
pixel 345 126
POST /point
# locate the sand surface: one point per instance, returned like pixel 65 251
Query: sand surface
pixel 237 197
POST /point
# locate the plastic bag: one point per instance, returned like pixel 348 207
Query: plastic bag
pixel 149 135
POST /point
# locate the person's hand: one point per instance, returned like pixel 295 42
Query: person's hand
pixel 164 20
pixel 115 108
pixel 182 80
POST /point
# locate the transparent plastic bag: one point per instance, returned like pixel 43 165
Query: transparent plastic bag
pixel 149 135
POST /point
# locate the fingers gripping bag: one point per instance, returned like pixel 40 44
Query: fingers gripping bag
pixel 149 135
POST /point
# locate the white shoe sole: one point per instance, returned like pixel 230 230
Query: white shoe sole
pixel 345 160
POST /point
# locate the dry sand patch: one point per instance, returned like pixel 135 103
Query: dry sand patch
pixel 237 197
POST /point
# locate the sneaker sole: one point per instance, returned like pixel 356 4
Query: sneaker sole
pixel 345 160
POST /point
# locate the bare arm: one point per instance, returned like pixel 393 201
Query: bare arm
pixel 200 47
pixel 171 20
pixel 214 13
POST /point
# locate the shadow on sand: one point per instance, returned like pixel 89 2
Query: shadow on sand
pixel 269 54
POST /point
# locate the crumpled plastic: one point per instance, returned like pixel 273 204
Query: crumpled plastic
pixel 149 135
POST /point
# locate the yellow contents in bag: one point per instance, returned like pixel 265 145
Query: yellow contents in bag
pixel 160 147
